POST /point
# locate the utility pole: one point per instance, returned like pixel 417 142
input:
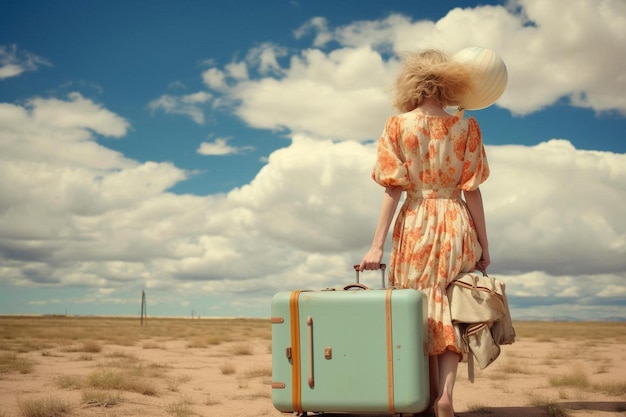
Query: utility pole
pixel 144 313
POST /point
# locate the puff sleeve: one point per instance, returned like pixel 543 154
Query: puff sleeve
pixel 475 167
pixel 390 168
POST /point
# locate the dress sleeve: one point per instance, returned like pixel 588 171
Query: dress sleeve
pixel 475 166
pixel 390 168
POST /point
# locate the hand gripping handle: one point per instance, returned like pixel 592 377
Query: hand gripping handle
pixel 357 268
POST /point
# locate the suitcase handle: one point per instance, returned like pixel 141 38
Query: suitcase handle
pixel 356 285
pixel 383 267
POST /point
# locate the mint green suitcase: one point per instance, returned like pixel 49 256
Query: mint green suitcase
pixel 350 351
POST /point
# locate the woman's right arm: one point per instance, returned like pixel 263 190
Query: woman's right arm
pixel 474 202
pixel 372 258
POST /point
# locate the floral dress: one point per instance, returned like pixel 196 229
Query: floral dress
pixel 432 158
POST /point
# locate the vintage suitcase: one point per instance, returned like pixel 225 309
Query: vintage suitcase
pixel 350 351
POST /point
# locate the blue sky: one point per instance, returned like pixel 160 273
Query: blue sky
pixel 214 153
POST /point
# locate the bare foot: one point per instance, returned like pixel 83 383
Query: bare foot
pixel 443 408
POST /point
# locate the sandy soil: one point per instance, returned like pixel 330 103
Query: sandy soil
pixel 214 381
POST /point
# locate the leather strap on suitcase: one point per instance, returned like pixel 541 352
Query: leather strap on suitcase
pixel 296 373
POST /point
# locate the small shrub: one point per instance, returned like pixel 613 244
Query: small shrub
pixel 511 366
pixel 259 372
pixel 101 398
pixel 242 349
pixel 122 355
pixel 43 407
pixel 181 408
pixel 552 409
pixel 228 369
pixel 197 343
pixel 109 380
pixel 555 410
pixel 614 389
pixel 91 346
pixel 150 345
pixel 10 362
pixel 88 346
pixel 577 378
pixel 69 381
pixel 173 383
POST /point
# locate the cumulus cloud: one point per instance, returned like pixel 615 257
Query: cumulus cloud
pixel 302 222
pixel 190 105
pixel 265 58
pixel 336 95
pixel 551 50
pixel 14 62
pixel 58 184
pixel 583 222
pixel 220 147
pixel 60 132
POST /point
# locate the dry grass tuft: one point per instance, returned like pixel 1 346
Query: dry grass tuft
pixel 258 373
pixel 552 409
pixel 150 344
pixel 43 407
pixel 242 349
pixel 512 366
pixel 101 398
pixel 174 383
pixel 181 408
pixel 10 362
pixel 615 389
pixel 556 410
pixel 577 378
pixel 87 346
pixel 122 355
pixel 228 369
pixel 70 381
pixel 198 343
pixel 122 381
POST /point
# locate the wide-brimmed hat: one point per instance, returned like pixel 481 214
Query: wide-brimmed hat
pixel 489 76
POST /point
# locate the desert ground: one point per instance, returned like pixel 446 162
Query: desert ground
pixel 91 366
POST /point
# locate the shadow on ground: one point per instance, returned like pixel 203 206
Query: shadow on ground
pixel 528 411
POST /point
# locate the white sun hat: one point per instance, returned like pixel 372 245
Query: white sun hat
pixel 489 76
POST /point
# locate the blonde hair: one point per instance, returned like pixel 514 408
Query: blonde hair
pixel 430 74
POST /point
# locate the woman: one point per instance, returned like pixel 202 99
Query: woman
pixel 436 158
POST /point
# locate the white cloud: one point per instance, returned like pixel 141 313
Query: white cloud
pixel 8 70
pixel 317 25
pixel 559 204
pixel 551 51
pixel 57 184
pixel 14 62
pixel 336 95
pixel 237 70
pixel 190 105
pixel 59 132
pixel 220 147
pixel 214 79
pixel 555 216
pixel 265 57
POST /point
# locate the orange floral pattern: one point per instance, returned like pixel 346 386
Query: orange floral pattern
pixel 432 158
